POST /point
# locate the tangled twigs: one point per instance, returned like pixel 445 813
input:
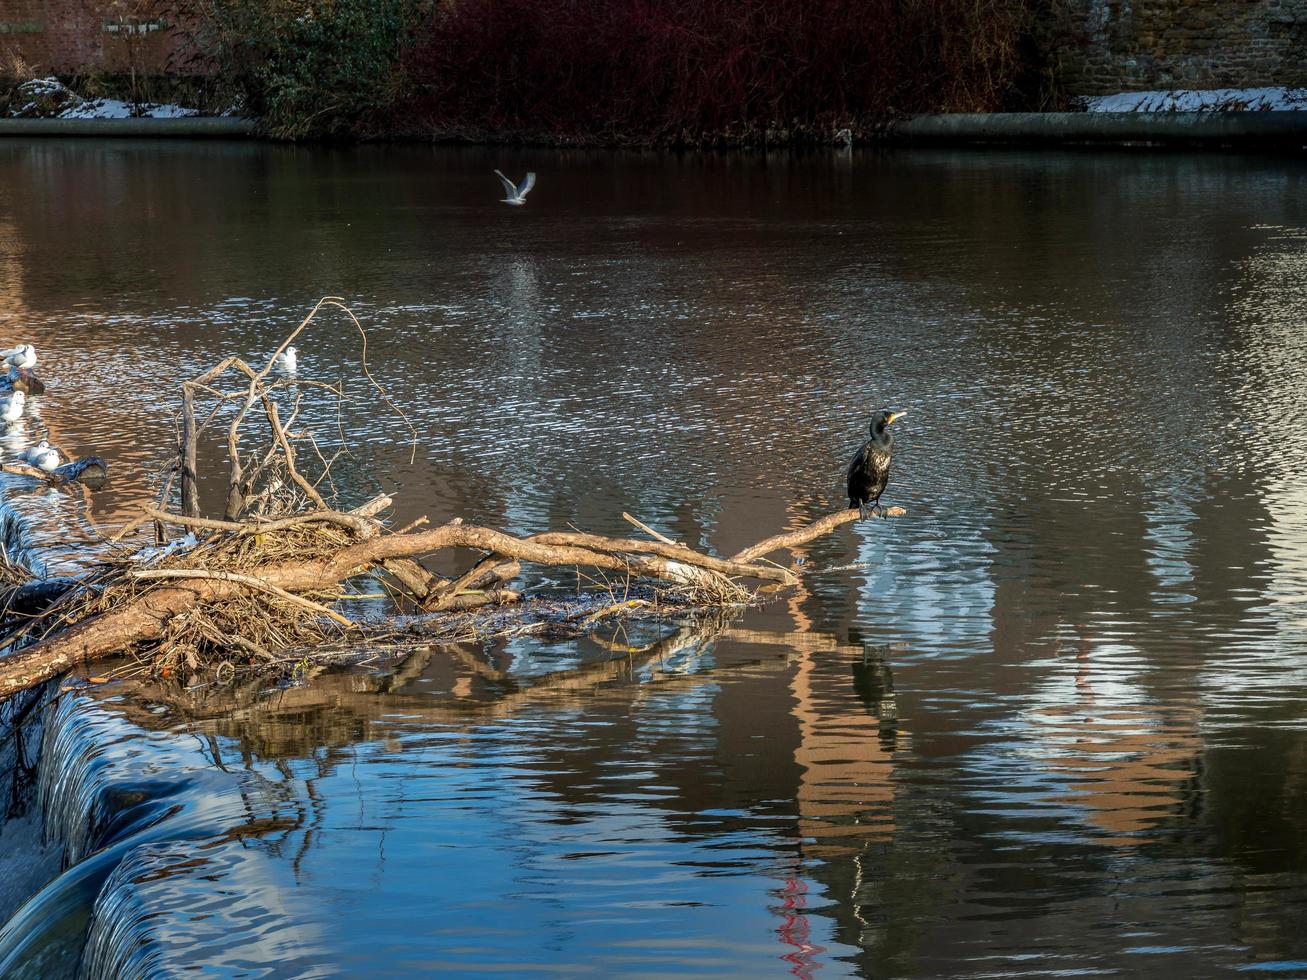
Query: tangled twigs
pixel 238 482
pixel 277 458
pixel 252 582
pixel 359 525
pixel 486 573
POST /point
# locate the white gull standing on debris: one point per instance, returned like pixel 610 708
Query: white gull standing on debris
pixel 47 460
pixel 31 454
pixel 22 357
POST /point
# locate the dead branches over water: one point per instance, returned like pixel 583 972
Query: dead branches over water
pixel 249 592
pixel 267 577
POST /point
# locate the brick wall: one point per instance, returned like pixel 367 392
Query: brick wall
pixel 72 37
pixel 1099 47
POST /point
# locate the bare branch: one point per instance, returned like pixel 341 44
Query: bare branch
pixel 818 528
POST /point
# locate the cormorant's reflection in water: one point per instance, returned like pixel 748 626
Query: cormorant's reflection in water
pixel 873 682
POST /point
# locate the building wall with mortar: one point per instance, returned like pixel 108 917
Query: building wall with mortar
pixel 1098 47
pixel 78 37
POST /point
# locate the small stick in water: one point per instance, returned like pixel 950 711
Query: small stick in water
pixel 648 530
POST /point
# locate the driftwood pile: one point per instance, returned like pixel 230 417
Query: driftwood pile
pixel 236 594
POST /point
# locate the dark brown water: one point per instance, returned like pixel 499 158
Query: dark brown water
pixel 1055 724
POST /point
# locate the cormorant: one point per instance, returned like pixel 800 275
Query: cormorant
pixel 869 471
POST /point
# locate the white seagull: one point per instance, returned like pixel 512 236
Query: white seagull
pixel 286 360
pixel 47 460
pixel 517 195
pixel 31 454
pixel 22 357
pixel 11 408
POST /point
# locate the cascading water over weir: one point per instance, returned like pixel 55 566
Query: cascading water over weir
pixel 134 813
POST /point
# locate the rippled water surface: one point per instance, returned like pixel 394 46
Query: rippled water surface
pixel 1053 722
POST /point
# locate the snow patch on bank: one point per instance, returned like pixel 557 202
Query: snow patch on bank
pixel 43 86
pixel 116 109
pixel 1200 100
pixel 49 98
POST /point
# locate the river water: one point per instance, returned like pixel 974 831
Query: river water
pixel 1052 722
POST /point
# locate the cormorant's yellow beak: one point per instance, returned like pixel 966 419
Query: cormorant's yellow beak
pixel 894 417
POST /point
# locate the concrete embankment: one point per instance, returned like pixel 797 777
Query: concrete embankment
pixel 1233 129
pixel 190 127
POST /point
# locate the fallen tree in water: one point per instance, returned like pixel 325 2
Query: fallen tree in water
pixel 236 593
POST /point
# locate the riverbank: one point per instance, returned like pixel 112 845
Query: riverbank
pixel 188 127
pixel 1237 130
pixel 1278 129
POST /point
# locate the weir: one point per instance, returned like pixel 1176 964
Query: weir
pixel 126 811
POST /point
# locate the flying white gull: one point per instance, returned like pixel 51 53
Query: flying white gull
pixel 517 195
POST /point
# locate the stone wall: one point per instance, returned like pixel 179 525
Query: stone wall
pixel 78 37
pixel 1097 47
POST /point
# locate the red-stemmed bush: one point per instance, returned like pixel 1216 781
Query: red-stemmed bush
pixel 701 71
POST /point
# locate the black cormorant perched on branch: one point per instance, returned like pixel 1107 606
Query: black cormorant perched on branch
pixel 869 471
